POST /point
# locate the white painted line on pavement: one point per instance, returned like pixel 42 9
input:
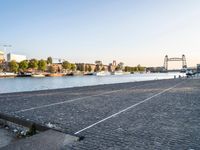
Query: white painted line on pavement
pixel 76 99
pixel 126 109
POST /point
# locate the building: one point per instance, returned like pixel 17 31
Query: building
pixel 57 67
pixel 112 66
pixel 15 57
pixel 1 57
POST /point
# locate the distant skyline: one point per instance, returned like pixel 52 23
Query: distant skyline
pixel 131 31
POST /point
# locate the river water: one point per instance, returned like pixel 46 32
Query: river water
pixel 9 85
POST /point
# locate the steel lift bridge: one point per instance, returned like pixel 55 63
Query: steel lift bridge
pixel 167 59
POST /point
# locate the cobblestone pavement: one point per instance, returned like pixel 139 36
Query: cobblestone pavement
pixel 163 114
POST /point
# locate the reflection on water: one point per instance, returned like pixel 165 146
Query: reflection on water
pixel 8 85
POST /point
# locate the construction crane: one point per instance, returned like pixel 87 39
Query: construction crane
pixel 5 46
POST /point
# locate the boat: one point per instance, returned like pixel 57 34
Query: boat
pixel 24 74
pixel 120 72
pixel 189 73
pixel 78 73
pixel 126 73
pixel 102 73
pixel 7 75
pixel 70 74
pixel 89 74
pixel 37 75
pixel 55 75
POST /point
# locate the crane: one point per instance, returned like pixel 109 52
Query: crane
pixel 5 46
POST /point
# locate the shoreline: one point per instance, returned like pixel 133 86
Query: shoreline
pixel 86 86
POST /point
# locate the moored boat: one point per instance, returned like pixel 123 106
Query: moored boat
pixel 120 72
pixel 102 73
pixel 25 74
pixel 70 74
pixel 55 75
pixel 89 73
pixel 37 75
pixel 7 75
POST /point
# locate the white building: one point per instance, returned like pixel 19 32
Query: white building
pixel 1 56
pixel 15 57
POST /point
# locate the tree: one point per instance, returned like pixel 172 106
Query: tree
pixel 51 69
pixel 13 66
pixel 66 65
pixel 98 65
pixel 117 68
pixel 120 66
pixel 42 65
pixel 86 68
pixel 73 67
pixel 1 67
pixel 33 63
pixel 97 68
pixel 78 67
pixel 49 60
pixel 82 67
pixel 89 68
pixel 140 68
pixel 103 69
pixel 23 65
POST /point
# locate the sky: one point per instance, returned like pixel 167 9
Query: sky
pixel 132 31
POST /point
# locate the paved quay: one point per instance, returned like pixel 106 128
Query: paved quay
pixel 162 114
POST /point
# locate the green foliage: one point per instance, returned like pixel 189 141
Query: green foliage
pixel 97 68
pixel 49 60
pixel 51 69
pixel 33 63
pixel 103 69
pixel 73 67
pixel 1 67
pixel 42 65
pixel 66 65
pixel 23 65
pixel 80 67
pixel 117 68
pixel 89 68
pixel 86 68
pixel 13 66
pixel 140 68
pixel 32 130
pixel 120 66
pixel 134 69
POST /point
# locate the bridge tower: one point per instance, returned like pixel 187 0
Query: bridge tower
pixel 166 62
pixel 167 59
pixel 184 64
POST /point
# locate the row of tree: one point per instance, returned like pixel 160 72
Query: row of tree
pixel 27 64
pixel 39 65
pixel 82 67
pixel 47 65
pixel 138 68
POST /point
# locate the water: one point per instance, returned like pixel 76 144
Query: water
pixel 8 85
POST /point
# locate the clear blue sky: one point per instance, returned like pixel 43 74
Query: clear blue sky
pixel 132 31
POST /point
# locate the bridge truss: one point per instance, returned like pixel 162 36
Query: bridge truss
pixel 167 59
